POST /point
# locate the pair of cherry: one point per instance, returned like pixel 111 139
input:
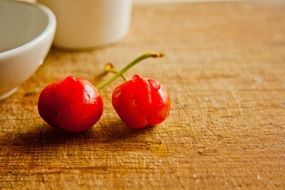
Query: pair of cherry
pixel 75 105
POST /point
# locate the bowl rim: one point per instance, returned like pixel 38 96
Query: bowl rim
pixel 50 28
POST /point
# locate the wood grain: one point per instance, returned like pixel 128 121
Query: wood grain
pixel 225 70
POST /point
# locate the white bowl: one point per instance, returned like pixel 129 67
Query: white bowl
pixel 89 23
pixel 26 34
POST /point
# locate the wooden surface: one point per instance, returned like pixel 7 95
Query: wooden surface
pixel 225 70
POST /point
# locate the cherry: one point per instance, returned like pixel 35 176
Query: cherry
pixel 141 102
pixel 72 104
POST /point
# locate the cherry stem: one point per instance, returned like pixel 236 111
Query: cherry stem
pixel 127 67
pixel 109 68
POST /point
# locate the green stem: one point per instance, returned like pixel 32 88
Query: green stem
pixel 109 68
pixel 127 67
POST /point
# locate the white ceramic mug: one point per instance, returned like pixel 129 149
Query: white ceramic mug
pixel 89 23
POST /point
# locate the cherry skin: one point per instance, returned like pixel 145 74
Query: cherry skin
pixel 141 102
pixel 72 104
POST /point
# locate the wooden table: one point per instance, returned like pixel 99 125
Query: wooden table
pixel 225 70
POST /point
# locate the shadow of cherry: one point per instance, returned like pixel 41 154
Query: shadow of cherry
pixel 45 136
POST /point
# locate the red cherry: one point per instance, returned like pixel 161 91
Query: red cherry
pixel 72 104
pixel 141 102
